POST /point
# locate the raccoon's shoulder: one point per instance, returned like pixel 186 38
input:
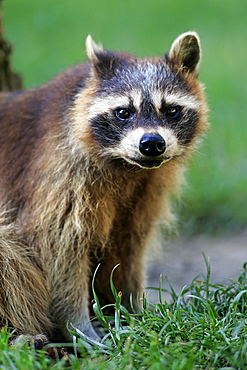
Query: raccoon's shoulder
pixel 70 82
pixel 59 91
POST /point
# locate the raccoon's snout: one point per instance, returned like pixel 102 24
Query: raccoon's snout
pixel 152 145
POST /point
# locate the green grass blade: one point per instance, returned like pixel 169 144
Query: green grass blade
pixel 113 289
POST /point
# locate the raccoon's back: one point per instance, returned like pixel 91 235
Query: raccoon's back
pixel 27 119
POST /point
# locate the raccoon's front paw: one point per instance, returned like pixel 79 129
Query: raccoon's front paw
pixel 39 342
pixel 87 330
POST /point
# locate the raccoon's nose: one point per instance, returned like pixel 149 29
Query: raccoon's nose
pixel 152 145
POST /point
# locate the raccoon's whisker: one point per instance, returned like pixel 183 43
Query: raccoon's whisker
pixel 195 150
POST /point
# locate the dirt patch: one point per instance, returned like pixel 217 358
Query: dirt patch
pixel 183 260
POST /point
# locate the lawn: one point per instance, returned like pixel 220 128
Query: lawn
pixel 49 36
pixel 203 328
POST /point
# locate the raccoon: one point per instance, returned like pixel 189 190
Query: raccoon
pixel 88 162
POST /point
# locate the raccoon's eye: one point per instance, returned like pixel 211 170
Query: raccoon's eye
pixel 173 111
pixel 122 113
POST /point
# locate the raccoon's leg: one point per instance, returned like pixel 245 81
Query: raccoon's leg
pixel 70 296
pixel 128 277
pixel 23 292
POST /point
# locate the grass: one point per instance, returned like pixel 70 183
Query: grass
pixel 204 327
pixel 49 36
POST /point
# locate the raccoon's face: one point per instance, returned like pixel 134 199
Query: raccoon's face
pixel 146 112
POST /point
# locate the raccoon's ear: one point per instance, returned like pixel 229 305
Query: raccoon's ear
pixel 93 50
pixel 186 51
pixel 103 61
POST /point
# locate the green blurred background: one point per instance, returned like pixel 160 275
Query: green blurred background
pixel 49 35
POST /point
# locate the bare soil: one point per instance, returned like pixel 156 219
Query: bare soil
pixel 182 261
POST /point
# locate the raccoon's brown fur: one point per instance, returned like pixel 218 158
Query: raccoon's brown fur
pixel 71 200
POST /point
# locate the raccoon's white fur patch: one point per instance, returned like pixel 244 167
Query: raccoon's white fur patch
pixel 129 145
pixel 173 148
pixel 111 102
pixel 106 104
pixel 186 101
pixel 136 97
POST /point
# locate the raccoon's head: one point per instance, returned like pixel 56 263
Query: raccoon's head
pixel 145 111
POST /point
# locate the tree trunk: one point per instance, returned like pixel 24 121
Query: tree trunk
pixel 9 80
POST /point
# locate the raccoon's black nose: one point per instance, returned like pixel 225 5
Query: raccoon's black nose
pixel 152 145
